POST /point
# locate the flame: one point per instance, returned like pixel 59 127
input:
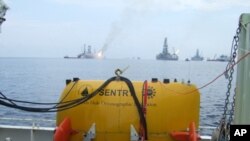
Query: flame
pixel 99 54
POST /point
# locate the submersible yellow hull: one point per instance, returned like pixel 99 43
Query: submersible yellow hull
pixel 169 107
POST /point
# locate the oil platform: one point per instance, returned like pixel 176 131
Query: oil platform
pixel 197 56
pixel 87 54
pixel 165 55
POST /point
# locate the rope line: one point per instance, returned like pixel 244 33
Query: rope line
pixel 212 81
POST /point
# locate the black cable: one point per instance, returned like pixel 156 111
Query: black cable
pixel 137 103
pixel 68 92
pixel 61 106
pixel 38 103
pixel 6 98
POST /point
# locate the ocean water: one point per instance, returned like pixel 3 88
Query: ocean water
pixel 43 79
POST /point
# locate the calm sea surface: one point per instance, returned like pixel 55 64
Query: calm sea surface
pixel 42 80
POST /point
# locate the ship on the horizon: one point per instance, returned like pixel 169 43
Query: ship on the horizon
pixel 221 58
pixel 88 54
pixel 197 56
pixel 165 55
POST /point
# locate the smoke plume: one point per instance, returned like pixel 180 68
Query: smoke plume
pixel 130 14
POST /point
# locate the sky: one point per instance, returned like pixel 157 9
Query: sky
pixel 124 28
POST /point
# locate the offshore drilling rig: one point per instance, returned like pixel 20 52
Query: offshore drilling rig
pixel 87 53
pixel 165 55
